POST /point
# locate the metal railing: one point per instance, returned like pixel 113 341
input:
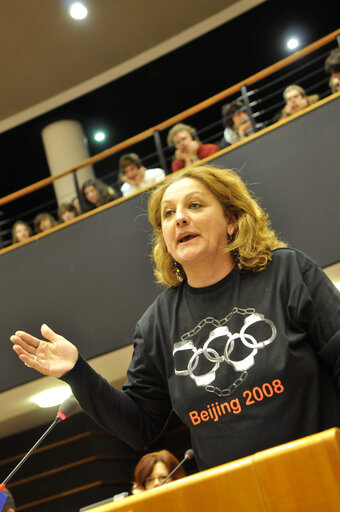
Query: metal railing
pixel 261 95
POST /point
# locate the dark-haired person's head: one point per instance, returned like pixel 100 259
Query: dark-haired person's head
pixel 332 63
pixel 153 468
pixel 66 212
pixel 235 116
pixel 9 505
pixel 96 193
pixel 131 168
pixel 228 113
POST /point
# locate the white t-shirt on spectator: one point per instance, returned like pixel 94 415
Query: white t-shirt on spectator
pixel 151 176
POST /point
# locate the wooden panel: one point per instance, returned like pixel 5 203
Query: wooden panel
pixel 302 475
pixel 298 476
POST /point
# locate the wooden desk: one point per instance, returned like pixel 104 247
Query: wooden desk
pixel 301 476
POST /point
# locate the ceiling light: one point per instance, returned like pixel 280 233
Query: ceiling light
pixel 51 397
pixel 78 11
pixel 99 136
pixel 292 43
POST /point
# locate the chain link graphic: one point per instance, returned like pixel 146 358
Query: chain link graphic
pixel 221 329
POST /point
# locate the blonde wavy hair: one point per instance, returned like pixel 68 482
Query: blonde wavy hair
pixel 253 240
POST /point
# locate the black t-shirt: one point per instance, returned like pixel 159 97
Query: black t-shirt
pixel 250 362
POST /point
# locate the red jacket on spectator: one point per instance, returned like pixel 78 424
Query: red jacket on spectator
pixel 203 151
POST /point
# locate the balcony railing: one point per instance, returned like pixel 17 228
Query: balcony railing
pixel 261 94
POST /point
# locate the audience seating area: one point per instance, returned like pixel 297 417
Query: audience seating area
pixel 261 96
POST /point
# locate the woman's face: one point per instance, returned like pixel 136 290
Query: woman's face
pixel 91 194
pixel 68 215
pixel 194 225
pixel 45 224
pixel 21 232
pixel 182 140
pixel 131 172
pixel 159 473
pixel 241 118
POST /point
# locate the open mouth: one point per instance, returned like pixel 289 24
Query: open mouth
pixel 186 238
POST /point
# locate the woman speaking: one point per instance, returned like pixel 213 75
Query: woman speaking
pixel 243 344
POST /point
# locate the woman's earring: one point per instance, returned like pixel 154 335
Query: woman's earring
pixel 235 252
pixel 177 270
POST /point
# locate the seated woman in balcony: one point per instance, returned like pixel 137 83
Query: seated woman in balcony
pixel 153 468
pixel 43 222
pixel 237 124
pixel 20 231
pixel 135 176
pixel 96 193
pixel 188 146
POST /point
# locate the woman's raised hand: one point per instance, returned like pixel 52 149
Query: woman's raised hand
pixel 54 357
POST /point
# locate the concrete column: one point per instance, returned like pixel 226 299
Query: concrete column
pixel 65 146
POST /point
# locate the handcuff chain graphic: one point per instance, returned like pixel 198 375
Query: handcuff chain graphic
pixel 221 329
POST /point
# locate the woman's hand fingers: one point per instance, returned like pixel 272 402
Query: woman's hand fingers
pixel 27 340
pixel 23 341
pixel 31 360
pixel 54 357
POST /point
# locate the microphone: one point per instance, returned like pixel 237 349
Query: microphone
pixel 66 409
pixel 189 454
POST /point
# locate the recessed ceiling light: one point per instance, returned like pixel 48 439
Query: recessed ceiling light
pixel 99 136
pixel 78 11
pixel 292 43
pixel 51 397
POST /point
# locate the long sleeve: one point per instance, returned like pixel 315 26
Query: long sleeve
pixel 315 307
pixel 119 412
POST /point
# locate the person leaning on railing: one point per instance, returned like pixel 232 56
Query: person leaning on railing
pixel 189 148
pixel 153 468
pixel 237 124
pixel 296 100
pixel 95 193
pixel 135 176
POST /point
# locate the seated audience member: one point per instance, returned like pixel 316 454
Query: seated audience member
pixel 43 222
pixel 96 193
pixel 76 204
pixel 135 176
pixel 334 84
pixel 20 231
pixel 66 212
pixel 332 64
pixel 296 100
pixel 153 468
pixel 9 505
pixel 188 146
pixel 236 123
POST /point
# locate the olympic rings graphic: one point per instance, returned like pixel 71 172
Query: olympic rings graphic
pixel 214 357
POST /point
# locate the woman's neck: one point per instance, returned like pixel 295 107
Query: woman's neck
pixel 206 274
